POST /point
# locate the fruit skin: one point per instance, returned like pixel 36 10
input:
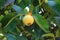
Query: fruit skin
pixel 28 20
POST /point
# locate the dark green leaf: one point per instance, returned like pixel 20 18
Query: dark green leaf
pixel 25 3
pixel 42 22
pixel 36 9
pixel 11 26
pixel 6 19
pixel 10 37
pixel 21 38
pixel 2 2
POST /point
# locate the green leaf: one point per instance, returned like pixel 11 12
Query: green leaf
pixel 57 2
pixel 2 2
pixel 28 29
pixel 11 26
pixel 38 31
pixel 57 21
pixel 6 19
pixel 49 10
pixel 35 31
pixel 25 11
pixel 25 3
pixel 19 1
pixel 6 12
pixel 35 3
pixel 36 9
pixel 42 22
pixel 48 35
pixel 10 37
pixel 1 35
pixel 1 17
pixel 21 38
pixel 58 33
pixel 17 8
pixel 0 24
pixel 57 6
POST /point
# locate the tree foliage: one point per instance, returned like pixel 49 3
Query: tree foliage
pixel 46 19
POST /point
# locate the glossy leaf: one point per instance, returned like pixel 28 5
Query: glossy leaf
pixel 10 37
pixel 41 22
pixel 17 8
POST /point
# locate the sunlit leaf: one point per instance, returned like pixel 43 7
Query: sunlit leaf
pixel 48 35
pixel 19 1
pixel 6 12
pixel 1 17
pixel 58 33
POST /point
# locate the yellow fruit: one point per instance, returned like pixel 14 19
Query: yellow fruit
pixel 28 20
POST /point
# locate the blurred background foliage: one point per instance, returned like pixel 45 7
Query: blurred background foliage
pixel 46 14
